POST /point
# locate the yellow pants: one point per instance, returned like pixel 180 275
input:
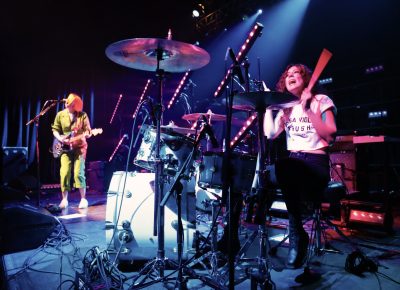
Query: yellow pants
pixel 76 159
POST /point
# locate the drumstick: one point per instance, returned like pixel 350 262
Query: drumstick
pixel 322 61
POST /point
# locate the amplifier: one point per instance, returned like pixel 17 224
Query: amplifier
pixel 14 161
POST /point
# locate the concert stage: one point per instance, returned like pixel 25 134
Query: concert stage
pixel 80 233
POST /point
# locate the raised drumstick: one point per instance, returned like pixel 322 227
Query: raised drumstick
pixel 322 61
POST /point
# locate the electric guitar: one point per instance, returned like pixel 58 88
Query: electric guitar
pixel 59 147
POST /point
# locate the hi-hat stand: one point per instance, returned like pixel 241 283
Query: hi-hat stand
pixel 260 100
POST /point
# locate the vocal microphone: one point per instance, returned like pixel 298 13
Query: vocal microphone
pixel 236 66
pixel 209 131
pixel 57 101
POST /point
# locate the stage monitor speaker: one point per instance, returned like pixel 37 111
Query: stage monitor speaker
pixel 14 161
pixel 24 227
pixel 131 215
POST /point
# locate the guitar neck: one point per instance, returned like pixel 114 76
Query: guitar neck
pixel 93 132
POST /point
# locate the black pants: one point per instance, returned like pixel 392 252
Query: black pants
pixel 302 177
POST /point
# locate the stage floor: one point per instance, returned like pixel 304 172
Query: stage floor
pixel 82 235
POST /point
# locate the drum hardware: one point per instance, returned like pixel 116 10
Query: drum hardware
pixel 214 254
pixel 174 148
pixel 177 188
pixel 160 56
pixel 209 115
pixel 260 101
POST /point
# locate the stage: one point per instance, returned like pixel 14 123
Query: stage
pixel 80 233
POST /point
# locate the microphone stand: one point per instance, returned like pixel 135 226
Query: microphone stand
pixel 36 121
pixel 178 187
pixel 227 185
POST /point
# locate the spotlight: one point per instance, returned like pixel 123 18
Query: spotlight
pixel 195 13
pixel 259 11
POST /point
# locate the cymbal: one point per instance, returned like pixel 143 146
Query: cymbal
pixel 263 100
pixel 141 53
pixel 209 115
pixel 177 129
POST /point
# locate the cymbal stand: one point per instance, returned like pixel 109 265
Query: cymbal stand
pixel 159 263
pixel 177 187
pixel 260 275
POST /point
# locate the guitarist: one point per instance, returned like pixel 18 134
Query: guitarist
pixel 70 122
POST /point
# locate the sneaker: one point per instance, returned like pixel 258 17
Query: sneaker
pixel 63 204
pixel 83 203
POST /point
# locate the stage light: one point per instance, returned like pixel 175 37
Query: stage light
pixel 377 114
pixel 259 11
pixel 141 98
pixel 370 215
pixel 195 13
pixel 251 38
pixel 178 89
pixel 243 130
pixel 325 81
pixel 374 69
pixel 115 109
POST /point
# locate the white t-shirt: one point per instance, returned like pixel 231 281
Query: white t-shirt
pixel 300 133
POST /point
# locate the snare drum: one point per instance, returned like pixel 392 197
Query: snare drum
pixel 174 149
pixel 243 168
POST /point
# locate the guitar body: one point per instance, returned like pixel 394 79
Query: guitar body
pixel 58 147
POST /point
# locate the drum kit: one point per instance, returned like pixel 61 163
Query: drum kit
pixel 170 150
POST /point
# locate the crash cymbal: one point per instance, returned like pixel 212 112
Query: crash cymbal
pixel 268 99
pixel 209 115
pixel 141 53
pixel 180 130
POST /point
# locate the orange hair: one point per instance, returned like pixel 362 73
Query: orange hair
pixel 74 101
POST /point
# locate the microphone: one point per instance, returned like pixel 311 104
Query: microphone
pixel 57 101
pixel 209 131
pixel 236 67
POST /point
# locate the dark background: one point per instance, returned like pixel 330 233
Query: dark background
pixel 50 48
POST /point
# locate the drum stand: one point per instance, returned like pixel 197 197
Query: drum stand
pixel 260 275
pixel 177 188
pixel 160 262
pixel 212 255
